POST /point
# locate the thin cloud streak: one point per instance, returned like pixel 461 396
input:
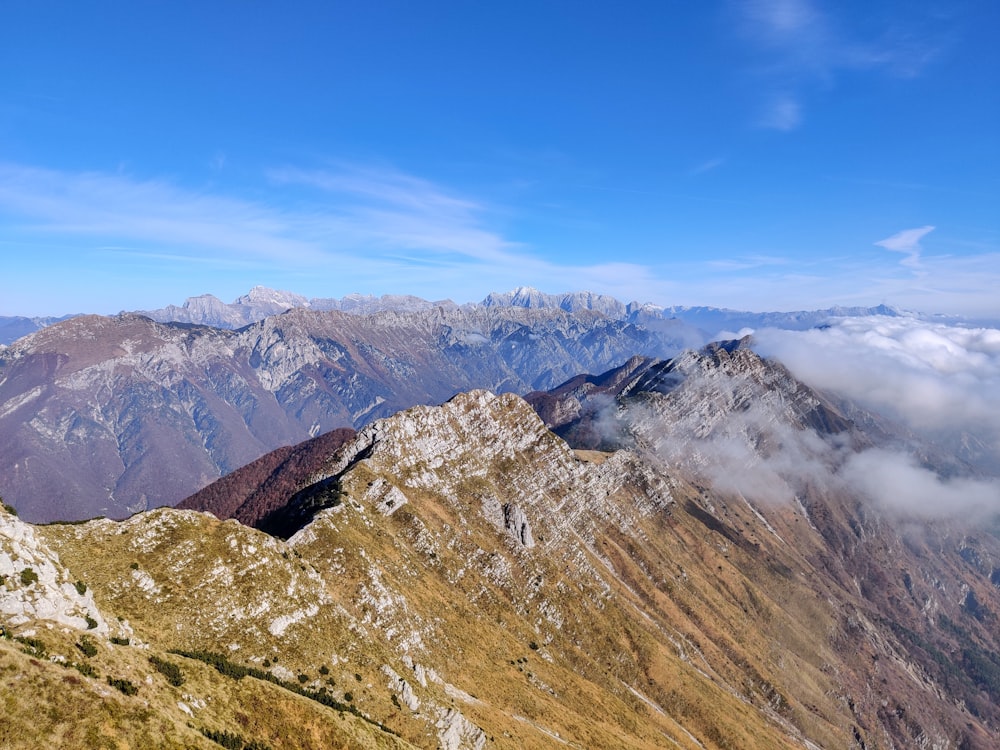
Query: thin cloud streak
pixel 783 113
pixel 104 206
pixel 378 230
pixel 707 166
pixel 396 211
pixel 908 243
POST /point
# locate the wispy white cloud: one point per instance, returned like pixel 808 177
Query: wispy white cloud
pixel 707 166
pixel 372 229
pixel 784 17
pixel 111 207
pixel 782 113
pixel 802 44
pixel 907 242
pixel 359 210
pixel 747 262
pixel 895 481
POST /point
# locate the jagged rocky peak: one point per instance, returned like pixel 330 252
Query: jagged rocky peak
pixel 203 304
pixel 531 298
pixel 262 302
pixel 448 448
pixel 207 309
pixel 367 304
pixel 726 378
pixel 262 295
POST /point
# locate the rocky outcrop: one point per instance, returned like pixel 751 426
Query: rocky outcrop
pixel 34 585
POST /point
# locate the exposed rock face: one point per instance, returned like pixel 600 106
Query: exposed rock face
pixel 206 309
pixel 571 301
pixel 35 586
pixel 652 609
pixel 110 416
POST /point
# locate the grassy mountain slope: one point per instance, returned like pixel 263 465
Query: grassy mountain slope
pixel 471 581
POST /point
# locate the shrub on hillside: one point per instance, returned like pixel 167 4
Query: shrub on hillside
pixel 87 646
pixel 169 670
pixel 233 741
pixel 125 686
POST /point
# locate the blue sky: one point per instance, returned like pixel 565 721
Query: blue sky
pixel 763 155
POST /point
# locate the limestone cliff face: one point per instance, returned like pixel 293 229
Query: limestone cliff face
pixel 35 586
pixel 110 416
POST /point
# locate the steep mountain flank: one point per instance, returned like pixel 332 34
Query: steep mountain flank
pixel 110 416
pixel 255 493
pixel 906 590
pixel 467 514
pixel 470 581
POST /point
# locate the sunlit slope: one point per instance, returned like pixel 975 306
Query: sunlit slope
pixel 470 580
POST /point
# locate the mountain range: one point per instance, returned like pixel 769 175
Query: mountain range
pixel 90 405
pixel 698 324
pixel 696 567
pixel 110 416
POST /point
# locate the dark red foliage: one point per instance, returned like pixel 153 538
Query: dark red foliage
pixel 256 490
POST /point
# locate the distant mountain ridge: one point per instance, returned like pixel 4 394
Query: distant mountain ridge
pixel 262 302
pixel 703 323
pixel 698 325
pixel 13 327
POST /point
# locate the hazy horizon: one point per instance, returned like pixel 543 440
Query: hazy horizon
pixel 753 155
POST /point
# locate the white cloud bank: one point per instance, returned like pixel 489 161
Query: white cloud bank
pixel 941 381
pixel 898 483
pixel 932 376
pixel 939 457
